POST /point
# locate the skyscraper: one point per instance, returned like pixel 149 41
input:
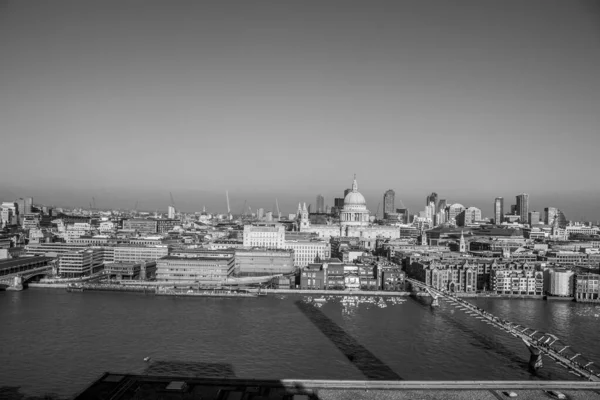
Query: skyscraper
pixel 389 198
pixel 498 210
pixel 433 197
pixel 534 218
pixel 346 192
pixel 171 212
pixel 523 207
pixel 28 205
pixel 320 204
pixel 549 215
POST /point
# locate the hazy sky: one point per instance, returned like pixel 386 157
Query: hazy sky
pixel 128 100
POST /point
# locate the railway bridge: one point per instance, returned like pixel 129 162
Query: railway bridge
pixel 15 272
pixel 538 343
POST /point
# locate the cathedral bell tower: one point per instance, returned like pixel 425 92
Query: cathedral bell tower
pixel 303 221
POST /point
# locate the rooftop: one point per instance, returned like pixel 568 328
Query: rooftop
pixel 197 258
pixel 124 387
pixel 17 262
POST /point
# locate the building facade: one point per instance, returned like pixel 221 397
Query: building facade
pixel 389 198
pixel 559 282
pixel 498 210
pixel 263 262
pixel 587 287
pixel 517 282
pixel 267 235
pixel 523 207
pixel 199 270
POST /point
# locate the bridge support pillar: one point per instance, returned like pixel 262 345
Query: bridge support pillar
pixel 535 358
pixel 16 283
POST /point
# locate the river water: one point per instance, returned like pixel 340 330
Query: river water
pixel 52 341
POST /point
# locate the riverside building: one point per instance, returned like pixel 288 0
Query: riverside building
pixel 199 270
pixel 517 282
pixel 263 262
pixel 80 263
pixel 559 282
pixel 587 287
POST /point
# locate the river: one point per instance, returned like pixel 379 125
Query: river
pixel 58 342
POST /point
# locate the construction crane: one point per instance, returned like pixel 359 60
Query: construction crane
pixel 243 212
pixel 229 216
pixel 278 212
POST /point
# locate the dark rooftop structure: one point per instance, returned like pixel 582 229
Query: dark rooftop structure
pixel 16 263
pixel 126 387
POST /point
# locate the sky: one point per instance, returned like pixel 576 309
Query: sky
pixel 129 100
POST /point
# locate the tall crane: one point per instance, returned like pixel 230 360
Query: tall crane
pixel 278 212
pixel 243 212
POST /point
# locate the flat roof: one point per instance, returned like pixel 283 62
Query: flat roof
pixel 17 262
pixel 195 258
pixel 154 387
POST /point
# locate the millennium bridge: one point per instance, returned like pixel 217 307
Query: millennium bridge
pixel 537 342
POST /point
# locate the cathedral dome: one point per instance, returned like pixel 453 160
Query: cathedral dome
pixel 354 199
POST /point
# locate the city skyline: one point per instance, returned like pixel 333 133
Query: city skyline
pixel 470 100
pixel 215 205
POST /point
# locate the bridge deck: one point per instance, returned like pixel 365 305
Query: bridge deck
pixel 544 342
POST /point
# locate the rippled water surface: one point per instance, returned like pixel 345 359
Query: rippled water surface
pixel 58 342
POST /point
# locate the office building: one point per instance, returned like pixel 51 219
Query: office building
pixel 141 225
pixel 267 235
pixel 320 204
pixel 523 207
pixel 141 270
pixel 559 282
pixel 129 254
pixel 432 198
pixel 534 218
pixel 171 212
pixel 196 270
pixel 28 205
pixel 498 210
pixel 8 214
pixel 468 216
pixel 307 251
pixel 389 198
pixel 263 262
pixel 454 210
pixel 166 225
pixel 550 214
pixel 80 263
pixel 260 213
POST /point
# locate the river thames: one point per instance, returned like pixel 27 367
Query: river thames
pixel 58 342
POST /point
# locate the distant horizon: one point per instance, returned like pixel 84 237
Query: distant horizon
pixel 128 101
pixel 215 203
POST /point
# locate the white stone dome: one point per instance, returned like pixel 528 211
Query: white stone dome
pixel 354 199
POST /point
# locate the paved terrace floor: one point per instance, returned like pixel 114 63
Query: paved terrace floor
pixel 124 387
